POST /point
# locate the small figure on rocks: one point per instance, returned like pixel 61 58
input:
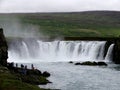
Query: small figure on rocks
pixel 16 65
pixel 22 69
pixel 25 66
pixel 22 66
pixel 32 67
pixel 25 70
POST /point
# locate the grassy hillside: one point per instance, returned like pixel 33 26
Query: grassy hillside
pixel 77 24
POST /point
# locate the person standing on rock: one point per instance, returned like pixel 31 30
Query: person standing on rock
pixel 32 67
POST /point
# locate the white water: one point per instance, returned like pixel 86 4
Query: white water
pixel 57 51
pixel 109 53
pixel 67 76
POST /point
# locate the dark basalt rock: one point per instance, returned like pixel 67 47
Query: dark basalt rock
pixel 89 63
pixel 46 74
pixel 34 79
pixel 3 49
pixel 77 63
pixel 34 72
pixel 70 62
pixel 32 76
pixel 102 64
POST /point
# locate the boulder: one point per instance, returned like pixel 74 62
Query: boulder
pixel 70 62
pixel 89 63
pixel 46 74
pixel 102 64
pixel 78 63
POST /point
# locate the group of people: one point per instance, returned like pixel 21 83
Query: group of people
pixel 22 70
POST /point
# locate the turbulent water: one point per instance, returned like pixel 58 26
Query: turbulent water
pixel 30 50
pixel 67 76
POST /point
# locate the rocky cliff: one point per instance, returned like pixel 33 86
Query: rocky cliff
pixel 116 52
pixel 3 49
pixel 116 49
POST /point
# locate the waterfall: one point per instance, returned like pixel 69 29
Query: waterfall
pixel 35 50
pixel 109 53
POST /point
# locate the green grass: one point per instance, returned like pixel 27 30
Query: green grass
pixel 10 81
pixel 79 24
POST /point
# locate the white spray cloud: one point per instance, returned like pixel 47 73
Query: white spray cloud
pixel 57 5
pixel 14 28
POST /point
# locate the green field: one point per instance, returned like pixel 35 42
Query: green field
pixel 77 24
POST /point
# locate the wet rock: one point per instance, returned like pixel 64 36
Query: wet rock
pixel 102 64
pixel 89 63
pixel 78 63
pixel 46 74
pixel 70 62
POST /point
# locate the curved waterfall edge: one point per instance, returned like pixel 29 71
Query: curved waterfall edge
pixel 27 50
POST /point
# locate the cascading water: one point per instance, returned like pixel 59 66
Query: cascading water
pixel 109 53
pixel 36 50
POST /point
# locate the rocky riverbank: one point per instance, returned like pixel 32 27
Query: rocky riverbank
pixel 31 76
pixel 10 80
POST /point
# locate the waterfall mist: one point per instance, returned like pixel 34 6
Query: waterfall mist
pixel 13 27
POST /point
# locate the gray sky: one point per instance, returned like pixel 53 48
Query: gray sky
pixel 57 5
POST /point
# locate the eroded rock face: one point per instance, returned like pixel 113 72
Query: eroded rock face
pixel 116 50
pixel 3 49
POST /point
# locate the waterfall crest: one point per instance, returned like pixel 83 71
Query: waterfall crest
pixel 36 50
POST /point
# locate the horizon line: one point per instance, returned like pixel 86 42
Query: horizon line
pixel 60 11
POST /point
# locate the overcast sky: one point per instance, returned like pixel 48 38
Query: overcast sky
pixel 57 5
